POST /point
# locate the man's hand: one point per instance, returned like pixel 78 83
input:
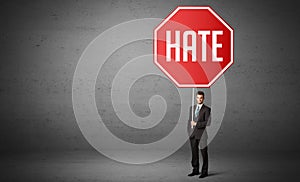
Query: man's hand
pixel 193 123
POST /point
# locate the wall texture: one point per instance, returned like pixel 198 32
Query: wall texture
pixel 41 43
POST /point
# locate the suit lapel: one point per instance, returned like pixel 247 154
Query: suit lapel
pixel 201 111
pixel 202 108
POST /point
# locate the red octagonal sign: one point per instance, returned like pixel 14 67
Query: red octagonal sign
pixel 193 46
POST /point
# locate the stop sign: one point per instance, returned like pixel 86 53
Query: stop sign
pixel 193 46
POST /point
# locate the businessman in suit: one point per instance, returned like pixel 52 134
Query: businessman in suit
pixel 198 135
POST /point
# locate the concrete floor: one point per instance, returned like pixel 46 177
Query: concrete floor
pixel 91 166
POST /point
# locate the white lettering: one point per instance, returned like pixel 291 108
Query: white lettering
pixel 187 48
pixel 203 35
pixel 192 46
pixel 215 46
pixel 176 45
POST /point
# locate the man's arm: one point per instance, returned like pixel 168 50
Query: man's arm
pixel 206 118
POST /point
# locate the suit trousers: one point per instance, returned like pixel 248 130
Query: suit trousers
pixel 195 155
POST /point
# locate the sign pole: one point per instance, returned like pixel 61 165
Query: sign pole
pixel 193 92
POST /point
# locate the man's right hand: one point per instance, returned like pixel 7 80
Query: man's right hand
pixel 193 123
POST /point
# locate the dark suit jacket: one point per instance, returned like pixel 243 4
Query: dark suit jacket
pixel 202 121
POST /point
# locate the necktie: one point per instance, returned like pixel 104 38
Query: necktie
pixel 197 110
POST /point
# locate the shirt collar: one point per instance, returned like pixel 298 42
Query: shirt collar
pixel 200 105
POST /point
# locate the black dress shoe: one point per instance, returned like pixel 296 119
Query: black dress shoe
pixel 193 174
pixel 203 175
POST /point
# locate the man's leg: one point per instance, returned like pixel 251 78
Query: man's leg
pixel 204 153
pixel 195 154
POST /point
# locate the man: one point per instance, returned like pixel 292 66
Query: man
pixel 198 134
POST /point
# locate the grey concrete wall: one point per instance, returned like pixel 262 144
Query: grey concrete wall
pixel 41 43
